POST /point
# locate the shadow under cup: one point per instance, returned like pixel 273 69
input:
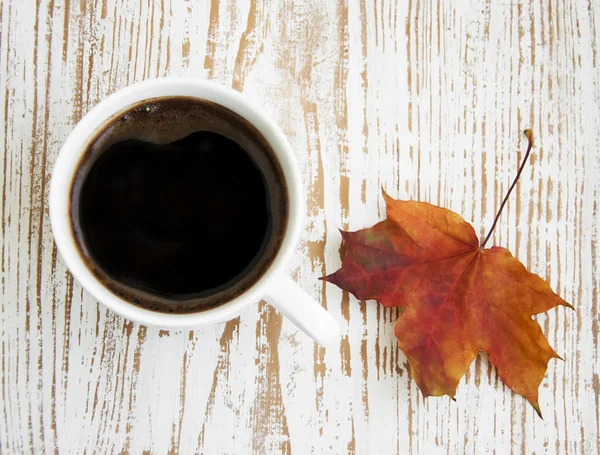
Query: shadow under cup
pixel 178 205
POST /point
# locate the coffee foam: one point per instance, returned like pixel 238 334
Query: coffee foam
pixel 169 120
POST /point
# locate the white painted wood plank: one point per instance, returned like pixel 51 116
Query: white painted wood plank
pixel 425 100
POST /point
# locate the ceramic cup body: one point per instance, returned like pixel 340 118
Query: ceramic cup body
pixel 273 285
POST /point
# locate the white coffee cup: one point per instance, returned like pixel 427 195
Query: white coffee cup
pixel 274 286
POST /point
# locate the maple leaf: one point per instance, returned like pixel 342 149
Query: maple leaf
pixel 456 297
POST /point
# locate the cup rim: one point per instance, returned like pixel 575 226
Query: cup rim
pixel 76 144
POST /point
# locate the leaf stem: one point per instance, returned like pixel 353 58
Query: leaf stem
pixel 529 136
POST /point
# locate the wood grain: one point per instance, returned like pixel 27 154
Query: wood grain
pixel 426 99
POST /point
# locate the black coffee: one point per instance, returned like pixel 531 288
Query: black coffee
pixel 179 205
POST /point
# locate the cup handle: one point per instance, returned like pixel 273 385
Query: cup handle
pixel 295 304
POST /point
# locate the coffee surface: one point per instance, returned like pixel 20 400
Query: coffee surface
pixel 179 205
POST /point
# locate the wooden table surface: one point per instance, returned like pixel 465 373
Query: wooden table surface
pixel 425 100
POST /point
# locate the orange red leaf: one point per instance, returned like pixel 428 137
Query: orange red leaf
pixel 456 298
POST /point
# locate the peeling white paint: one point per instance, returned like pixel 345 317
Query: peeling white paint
pixel 424 100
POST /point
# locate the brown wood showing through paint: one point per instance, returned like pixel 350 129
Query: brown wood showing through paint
pixel 426 99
